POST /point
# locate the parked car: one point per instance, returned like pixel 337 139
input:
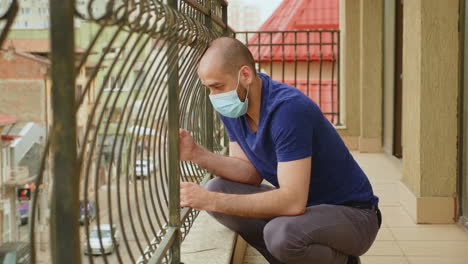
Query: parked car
pixel 23 212
pixel 108 245
pixel 87 212
pixel 143 168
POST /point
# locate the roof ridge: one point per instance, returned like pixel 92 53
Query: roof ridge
pixel 287 16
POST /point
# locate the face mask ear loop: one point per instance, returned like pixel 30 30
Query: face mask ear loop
pixel 238 80
pixel 247 94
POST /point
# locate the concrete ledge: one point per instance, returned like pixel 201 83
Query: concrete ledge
pixel 208 242
pixel 239 251
pixel 427 210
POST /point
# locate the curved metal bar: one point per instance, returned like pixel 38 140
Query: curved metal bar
pixel 123 127
pixel 8 16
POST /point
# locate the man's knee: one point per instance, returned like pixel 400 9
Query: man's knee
pixel 216 184
pixel 281 240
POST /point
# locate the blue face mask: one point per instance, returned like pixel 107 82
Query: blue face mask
pixel 228 104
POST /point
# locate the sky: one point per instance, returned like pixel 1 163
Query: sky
pixel 267 6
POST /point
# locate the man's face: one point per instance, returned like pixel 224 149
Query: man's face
pixel 216 79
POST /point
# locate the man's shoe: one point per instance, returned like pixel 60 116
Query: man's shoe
pixel 353 260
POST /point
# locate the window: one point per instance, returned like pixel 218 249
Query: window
pixel 115 84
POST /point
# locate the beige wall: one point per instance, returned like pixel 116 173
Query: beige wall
pixel 25 99
pixel 411 93
pixel 371 76
pixel 350 82
pixel 430 90
pixel 361 71
pixel 439 97
pixel 389 75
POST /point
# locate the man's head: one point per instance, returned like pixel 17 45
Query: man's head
pixel 226 62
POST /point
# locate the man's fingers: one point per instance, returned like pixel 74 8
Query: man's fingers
pixel 183 132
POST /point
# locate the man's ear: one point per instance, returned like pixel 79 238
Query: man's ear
pixel 247 74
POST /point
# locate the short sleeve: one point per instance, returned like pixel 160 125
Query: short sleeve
pixel 292 129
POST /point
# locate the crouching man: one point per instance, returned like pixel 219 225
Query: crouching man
pixel 319 208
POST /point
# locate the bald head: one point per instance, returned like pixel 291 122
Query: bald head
pixel 228 54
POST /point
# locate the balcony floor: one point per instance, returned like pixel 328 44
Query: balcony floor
pixel 400 240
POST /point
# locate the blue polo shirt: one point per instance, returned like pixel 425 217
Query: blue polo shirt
pixel 293 127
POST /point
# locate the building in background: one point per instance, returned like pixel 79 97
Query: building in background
pixel 25 82
pixel 243 16
pixel 32 14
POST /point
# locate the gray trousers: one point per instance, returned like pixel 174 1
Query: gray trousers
pixel 324 234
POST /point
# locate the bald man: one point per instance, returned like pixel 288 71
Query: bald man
pixel 319 208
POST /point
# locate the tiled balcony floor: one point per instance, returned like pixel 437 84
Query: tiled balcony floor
pixel 400 240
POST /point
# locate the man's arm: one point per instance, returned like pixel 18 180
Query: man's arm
pixel 289 199
pixel 236 167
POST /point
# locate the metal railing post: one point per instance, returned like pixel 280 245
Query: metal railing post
pixel 64 217
pixel 226 33
pixel 338 86
pixel 9 16
pixel 209 120
pixel 225 19
pixel 173 127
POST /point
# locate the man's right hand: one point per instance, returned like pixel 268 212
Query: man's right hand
pixel 187 146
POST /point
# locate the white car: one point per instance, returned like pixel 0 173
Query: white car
pixel 143 168
pixel 108 245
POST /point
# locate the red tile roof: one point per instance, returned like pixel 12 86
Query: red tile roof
pixel 294 15
pixel 30 56
pixel 303 14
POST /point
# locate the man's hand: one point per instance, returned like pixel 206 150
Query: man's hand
pixel 195 196
pixel 187 145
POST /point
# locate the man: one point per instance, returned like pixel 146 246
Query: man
pixel 321 208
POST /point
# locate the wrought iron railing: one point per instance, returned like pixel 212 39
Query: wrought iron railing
pixel 112 152
pixel 306 59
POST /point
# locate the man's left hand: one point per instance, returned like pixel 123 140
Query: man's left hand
pixel 195 196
